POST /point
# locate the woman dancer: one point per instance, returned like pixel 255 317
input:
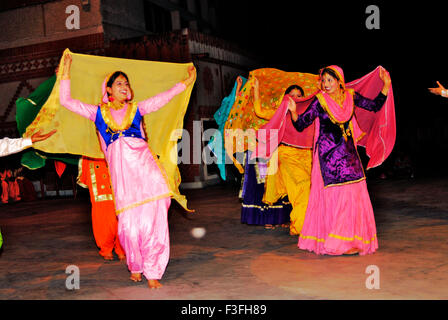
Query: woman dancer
pixel 141 193
pixel 294 164
pixel 339 218
pixel 255 210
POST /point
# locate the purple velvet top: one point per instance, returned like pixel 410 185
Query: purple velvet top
pixel 339 160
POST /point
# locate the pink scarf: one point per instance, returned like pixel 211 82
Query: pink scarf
pixel 281 130
pixel 374 131
pixel 379 127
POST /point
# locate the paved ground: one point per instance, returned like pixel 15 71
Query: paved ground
pixel 232 261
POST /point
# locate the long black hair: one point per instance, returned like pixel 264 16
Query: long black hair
pixel 330 72
pixel 294 86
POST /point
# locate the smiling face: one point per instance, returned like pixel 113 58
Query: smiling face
pixel 120 89
pixel 329 83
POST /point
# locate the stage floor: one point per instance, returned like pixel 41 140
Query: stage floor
pixel 233 260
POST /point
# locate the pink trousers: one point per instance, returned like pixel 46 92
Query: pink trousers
pixel 144 236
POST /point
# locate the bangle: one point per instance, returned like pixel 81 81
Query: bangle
pixel 444 93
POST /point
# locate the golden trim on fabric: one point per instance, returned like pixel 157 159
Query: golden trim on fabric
pixel 345 183
pixel 78 178
pixel 98 198
pixel 32 101
pixel 137 204
pixel 260 179
pixel 127 120
pixel 324 105
pixel 265 207
pixel 340 238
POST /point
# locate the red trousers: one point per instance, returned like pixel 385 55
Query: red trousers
pixel 95 175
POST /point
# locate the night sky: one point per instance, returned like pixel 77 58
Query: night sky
pixel 306 36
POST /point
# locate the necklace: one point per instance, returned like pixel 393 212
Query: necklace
pixel 127 120
pixel 339 97
pixel 116 105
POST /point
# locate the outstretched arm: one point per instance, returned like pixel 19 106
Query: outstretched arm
pixel 9 146
pixel 156 102
pixel 83 109
pixel 441 91
pixel 376 104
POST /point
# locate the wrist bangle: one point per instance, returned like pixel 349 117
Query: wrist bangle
pixel 443 93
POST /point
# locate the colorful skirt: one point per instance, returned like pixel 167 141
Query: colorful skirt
pixel 338 218
pixel 254 211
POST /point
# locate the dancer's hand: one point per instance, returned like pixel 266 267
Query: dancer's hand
pixel 292 108
pixel 291 105
pixel 438 90
pixel 39 137
pixel 256 89
pixel 191 76
pixel 384 76
pixel 239 83
pixel 66 67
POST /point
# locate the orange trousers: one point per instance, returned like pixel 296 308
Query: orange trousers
pixel 94 174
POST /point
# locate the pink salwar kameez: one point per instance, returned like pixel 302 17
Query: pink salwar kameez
pixel 141 194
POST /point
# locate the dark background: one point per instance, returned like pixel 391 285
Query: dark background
pixel 305 36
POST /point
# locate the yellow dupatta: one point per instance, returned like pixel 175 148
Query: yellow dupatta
pixel 77 135
pixel 246 117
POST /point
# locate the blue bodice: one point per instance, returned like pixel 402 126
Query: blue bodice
pixel 110 136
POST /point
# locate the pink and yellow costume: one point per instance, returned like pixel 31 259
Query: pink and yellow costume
pixel 141 192
pixel 340 216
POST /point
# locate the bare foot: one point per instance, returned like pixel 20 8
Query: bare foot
pixel 108 257
pixel 121 257
pixel 136 277
pixel 352 251
pixel 154 284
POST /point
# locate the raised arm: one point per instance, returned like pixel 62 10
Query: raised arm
pixel 83 109
pixel 374 105
pixel 264 114
pixel 156 102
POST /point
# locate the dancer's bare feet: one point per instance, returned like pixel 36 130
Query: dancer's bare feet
pixel 121 257
pixel 136 277
pixel 352 251
pixel 154 284
pixel 108 257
